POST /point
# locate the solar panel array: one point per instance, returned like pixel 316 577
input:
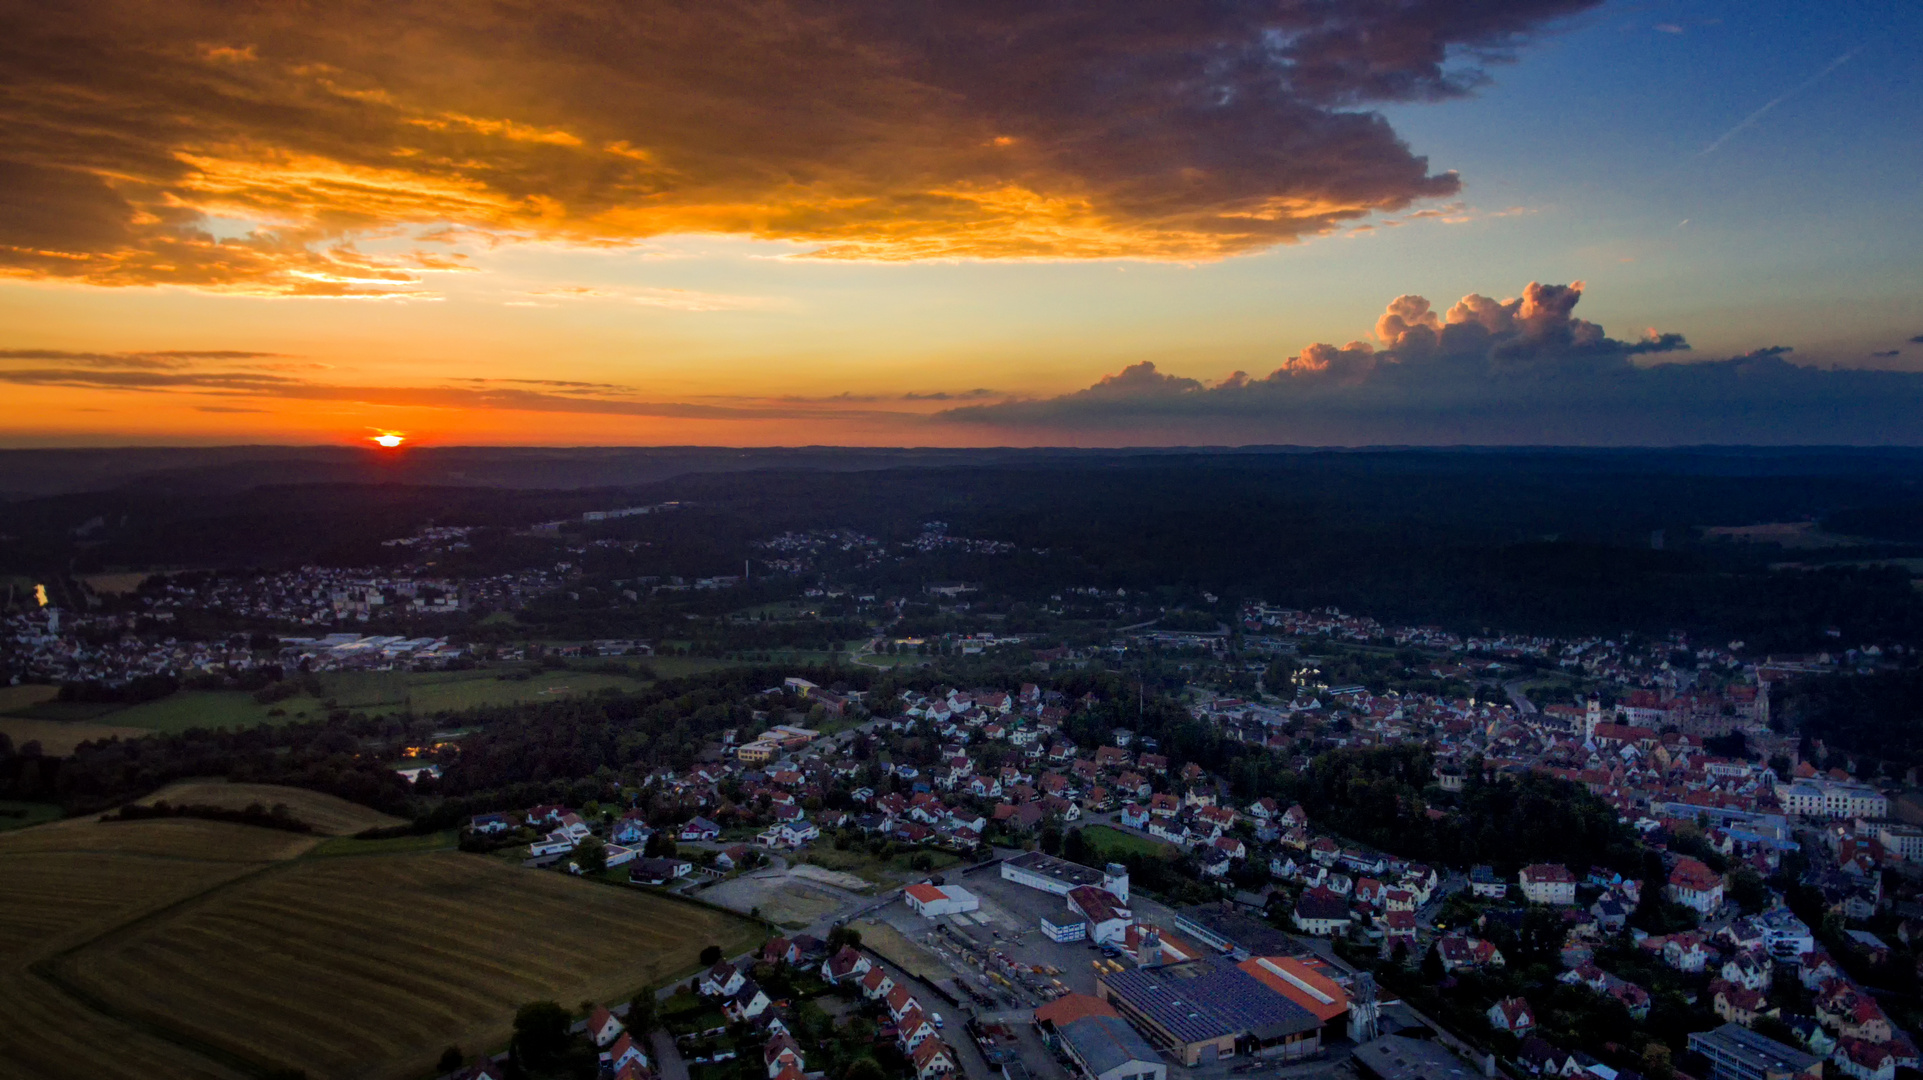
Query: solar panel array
pixel 1207 999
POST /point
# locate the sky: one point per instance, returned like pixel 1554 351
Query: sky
pixel 777 222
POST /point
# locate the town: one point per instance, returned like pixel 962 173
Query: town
pixel 1761 915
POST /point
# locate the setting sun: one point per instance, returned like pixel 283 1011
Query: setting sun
pixel 389 439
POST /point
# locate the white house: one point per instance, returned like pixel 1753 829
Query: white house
pixel 1512 1015
pixel 603 1027
pixel 722 980
pixel 1548 883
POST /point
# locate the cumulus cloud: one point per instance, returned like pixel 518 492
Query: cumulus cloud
pixel 954 128
pixel 1520 370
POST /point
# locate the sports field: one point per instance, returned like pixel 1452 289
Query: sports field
pixel 186 948
pixel 1116 842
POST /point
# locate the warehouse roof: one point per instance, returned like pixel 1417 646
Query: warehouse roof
pixel 1071 1007
pixel 1206 999
pixel 1301 984
pixel 1394 1057
pixel 1104 1043
pixel 1036 862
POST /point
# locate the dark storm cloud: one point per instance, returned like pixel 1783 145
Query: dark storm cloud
pixel 1131 128
pixel 1525 370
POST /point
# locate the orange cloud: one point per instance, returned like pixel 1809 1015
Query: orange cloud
pixel 1153 131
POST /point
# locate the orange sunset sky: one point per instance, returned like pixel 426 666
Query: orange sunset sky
pixel 760 222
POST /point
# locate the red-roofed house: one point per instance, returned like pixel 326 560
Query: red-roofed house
pixel 1512 1015
pixel 1548 883
pixel 1694 885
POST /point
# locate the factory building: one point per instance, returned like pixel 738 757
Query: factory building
pixel 1204 1010
pixel 1049 874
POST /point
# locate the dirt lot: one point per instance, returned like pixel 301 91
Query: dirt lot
pixel 782 896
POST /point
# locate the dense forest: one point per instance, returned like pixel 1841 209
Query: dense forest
pixel 1877 716
pixel 1549 541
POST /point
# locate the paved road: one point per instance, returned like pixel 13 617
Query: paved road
pixel 1518 699
pixel 667 1058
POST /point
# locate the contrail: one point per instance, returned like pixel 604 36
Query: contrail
pixel 1750 120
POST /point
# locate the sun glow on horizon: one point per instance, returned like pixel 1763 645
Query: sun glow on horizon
pixel 388 439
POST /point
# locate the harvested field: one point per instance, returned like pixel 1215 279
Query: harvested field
pixel 175 838
pixel 58 738
pixel 114 584
pixel 19 697
pixel 368 967
pixel 326 813
pixel 67 882
pixel 182 949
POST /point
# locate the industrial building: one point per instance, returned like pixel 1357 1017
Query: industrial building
pixel 1205 1010
pixel 1049 874
pixel 1225 929
pixel 934 901
pixel 1395 1057
pixel 1066 930
pixel 1302 983
pixel 1108 920
pixel 1108 1049
pixel 1737 1053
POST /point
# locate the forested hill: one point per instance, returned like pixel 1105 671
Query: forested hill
pixel 1563 542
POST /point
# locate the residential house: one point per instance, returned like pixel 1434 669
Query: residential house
pixel 1512 1015
pixel 603 1028
pixel 721 980
pixel 1548 883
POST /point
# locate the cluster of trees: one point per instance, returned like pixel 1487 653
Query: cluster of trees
pixel 1382 797
pixel 1872 715
pixel 277 817
pixel 331 755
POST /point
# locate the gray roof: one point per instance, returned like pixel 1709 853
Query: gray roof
pixel 1106 1042
pixel 1206 999
pixel 1237 930
pixel 1045 865
pixel 1395 1057
pixel 1736 1043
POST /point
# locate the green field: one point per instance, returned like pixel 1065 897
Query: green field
pixel 1124 843
pixel 366 691
pixel 420 692
pixel 210 709
pixel 19 815
pixel 397 845
pixel 892 870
